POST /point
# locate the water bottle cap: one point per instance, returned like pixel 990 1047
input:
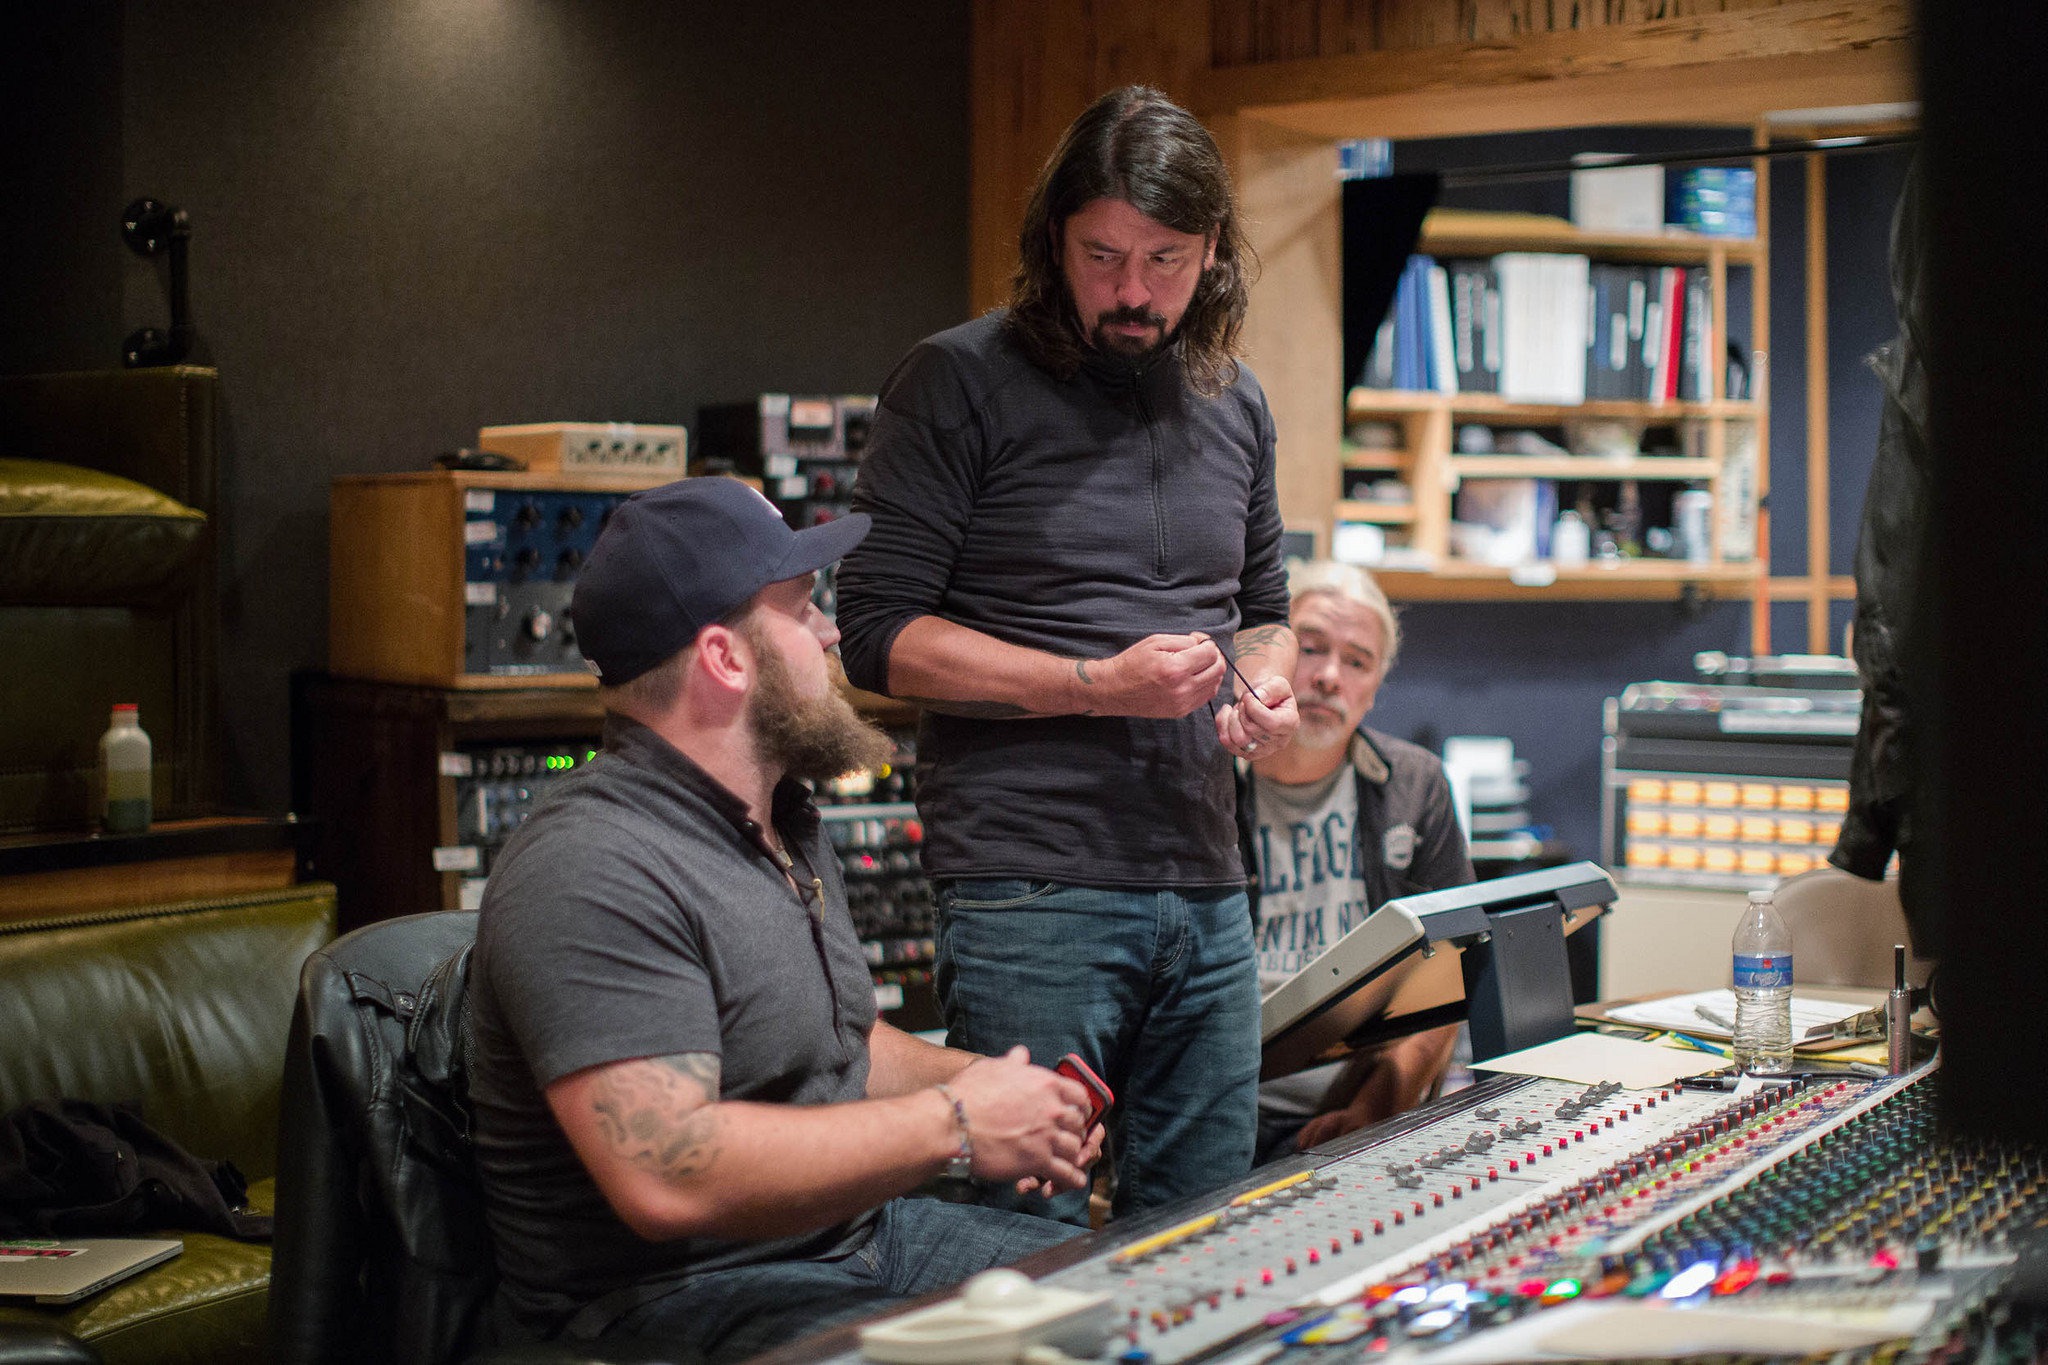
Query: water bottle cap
pixel 1759 897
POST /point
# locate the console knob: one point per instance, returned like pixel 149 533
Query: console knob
pixel 538 624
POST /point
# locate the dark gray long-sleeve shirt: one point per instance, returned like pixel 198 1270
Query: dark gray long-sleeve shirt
pixel 1076 517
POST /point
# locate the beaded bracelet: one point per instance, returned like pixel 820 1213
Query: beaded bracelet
pixel 961 1164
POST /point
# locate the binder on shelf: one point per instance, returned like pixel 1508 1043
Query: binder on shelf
pixel 1443 365
pixel 1699 326
pixel 1475 325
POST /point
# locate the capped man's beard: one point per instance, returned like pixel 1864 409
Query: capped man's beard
pixel 814 738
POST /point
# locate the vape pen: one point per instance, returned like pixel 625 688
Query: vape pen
pixel 1898 1016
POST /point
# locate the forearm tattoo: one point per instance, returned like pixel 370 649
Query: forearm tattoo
pixel 655 1113
pixel 1256 643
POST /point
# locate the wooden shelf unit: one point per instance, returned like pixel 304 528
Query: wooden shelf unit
pixel 1429 420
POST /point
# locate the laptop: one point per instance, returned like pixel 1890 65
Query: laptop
pixel 66 1271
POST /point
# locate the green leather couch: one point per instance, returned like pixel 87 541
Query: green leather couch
pixel 185 1008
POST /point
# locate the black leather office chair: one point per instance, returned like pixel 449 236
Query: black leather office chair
pixel 381 1248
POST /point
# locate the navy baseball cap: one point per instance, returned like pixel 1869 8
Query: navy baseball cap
pixel 674 559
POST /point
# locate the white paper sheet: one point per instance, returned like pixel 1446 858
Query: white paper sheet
pixel 1590 1057
pixel 1623 1329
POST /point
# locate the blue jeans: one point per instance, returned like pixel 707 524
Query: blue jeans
pixel 1158 991
pixel 917 1246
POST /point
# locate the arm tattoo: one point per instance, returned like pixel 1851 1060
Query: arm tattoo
pixel 1081 672
pixel 654 1113
pixel 1253 643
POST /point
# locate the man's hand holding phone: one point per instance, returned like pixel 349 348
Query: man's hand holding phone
pixel 1099 1097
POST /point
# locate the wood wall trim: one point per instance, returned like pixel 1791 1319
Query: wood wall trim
pixel 1033 65
pixel 1701 69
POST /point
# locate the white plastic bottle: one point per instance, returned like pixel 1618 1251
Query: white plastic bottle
pixel 124 773
pixel 1762 950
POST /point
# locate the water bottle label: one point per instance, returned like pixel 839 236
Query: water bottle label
pixel 1762 972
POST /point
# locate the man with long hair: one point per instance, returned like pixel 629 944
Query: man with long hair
pixel 1075 533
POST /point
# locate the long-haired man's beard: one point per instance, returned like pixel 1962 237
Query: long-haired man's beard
pixel 815 738
pixel 1136 348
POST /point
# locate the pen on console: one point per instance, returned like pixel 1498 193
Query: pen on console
pixel 1715 1019
pixel 1698 1043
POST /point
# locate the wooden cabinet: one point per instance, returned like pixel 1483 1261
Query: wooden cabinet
pixel 385 769
pixel 1718 443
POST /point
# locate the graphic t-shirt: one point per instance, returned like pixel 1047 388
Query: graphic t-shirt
pixel 1311 888
pixel 1310 895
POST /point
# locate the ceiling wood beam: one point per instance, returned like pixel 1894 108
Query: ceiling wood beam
pixel 1714 68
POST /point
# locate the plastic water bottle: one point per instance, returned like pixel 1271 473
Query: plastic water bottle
pixel 124 773
pixel 1763 988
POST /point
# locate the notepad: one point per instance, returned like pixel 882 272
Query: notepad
pixel 1811 1017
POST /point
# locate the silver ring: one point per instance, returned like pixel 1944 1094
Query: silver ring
pixel 1250 745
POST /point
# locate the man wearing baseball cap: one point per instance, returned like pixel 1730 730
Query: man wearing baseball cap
pixel 689 1124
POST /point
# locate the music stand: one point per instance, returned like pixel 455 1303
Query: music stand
pixel 1517 980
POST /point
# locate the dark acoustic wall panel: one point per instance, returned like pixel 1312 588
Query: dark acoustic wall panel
pixel 60 166
pixel 412 220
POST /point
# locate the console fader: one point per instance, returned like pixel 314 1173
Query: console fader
pixel 1520 1196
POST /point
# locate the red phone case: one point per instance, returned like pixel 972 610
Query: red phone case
pixel 1099 1097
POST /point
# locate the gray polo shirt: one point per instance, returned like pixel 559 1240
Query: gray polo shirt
pixel 637 913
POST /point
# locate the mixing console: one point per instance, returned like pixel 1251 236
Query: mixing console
pixel 1822 1215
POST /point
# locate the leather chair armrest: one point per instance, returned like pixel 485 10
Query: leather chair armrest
pixel 43 1346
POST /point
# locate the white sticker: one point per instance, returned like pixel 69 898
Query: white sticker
pixel 792 488
pixel 888 996
pixel 455 765
pixel 479 532
pixel 810 413
pixel 457 858
pixel 778 466
pixel 480 594
pixel 484 500
pixel 470 895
